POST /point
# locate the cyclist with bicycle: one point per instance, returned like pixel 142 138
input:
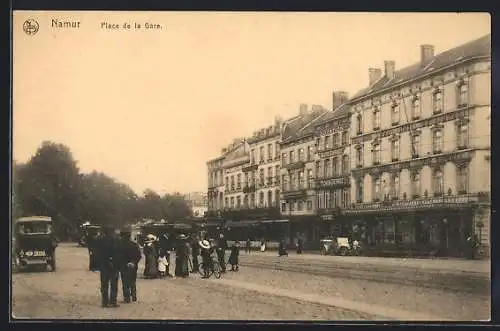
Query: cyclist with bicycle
pixel 206 256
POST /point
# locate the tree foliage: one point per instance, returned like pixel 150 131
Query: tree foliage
pixel 51 184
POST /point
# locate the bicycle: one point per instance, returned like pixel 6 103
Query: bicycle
pixel 216 269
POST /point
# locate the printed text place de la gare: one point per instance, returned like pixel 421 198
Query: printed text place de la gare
pixel 56 23
pixel 131 26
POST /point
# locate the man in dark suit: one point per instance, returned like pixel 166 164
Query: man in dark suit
pixel 221 247
pixel 107 258
pixel 130 255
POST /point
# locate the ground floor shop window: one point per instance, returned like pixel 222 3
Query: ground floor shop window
pixel 406 232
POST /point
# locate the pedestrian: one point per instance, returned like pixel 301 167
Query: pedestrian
pixel 282 249
pixel 263 246
pixel 129 261
pixel 108 263
pixel 162 265
pixel 221 247
pixel 248 245
pixel 195 252
pixel 151 257
pixel 234 256
pixel 182 258
pixel 206 257
pixel 91 245
pixel 299 245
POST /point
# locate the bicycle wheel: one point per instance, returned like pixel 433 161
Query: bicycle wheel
pixel 217 270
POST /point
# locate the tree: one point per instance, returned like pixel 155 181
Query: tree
pixel 176 206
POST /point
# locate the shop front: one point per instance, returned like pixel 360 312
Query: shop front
pixel 436 227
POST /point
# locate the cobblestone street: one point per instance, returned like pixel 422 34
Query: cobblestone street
pixel 251 294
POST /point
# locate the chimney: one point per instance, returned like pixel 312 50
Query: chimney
pixel 303 109
pixel 426 54
pixel 339 97
pixel 389 69
pixel 374 74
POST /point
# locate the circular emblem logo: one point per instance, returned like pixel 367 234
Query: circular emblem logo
pixel 31 27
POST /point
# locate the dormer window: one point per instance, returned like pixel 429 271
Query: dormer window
pixel 437 101
pixel 463 93
pixel 376 119
pixel 415 106
pixel 395 115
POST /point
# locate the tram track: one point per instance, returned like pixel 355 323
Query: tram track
pixel 453 281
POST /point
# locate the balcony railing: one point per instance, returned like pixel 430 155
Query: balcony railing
pixel 295 165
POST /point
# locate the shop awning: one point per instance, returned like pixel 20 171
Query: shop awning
pixel 245 223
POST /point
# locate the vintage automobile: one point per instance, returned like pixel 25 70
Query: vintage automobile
pixel 335 246
pixel 34 243
pixel 86 230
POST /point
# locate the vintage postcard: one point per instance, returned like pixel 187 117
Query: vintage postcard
pixel 255 166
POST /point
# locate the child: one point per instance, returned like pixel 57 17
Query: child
pixel 233 258
pixel 162 264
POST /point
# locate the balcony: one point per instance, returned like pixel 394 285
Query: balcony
pixel 251 167
pixel 294 191
pixel 249 188
pixel 295 165
pixel 333 182
pixel 336 211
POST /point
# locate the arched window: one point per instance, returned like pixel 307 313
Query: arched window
pixel 463 93
pixel 376 153
pixel 395 115
pixel 437 141
pixel 345 164
pixel 377 188
pixel 438 182
pixel 359 122
pixel 376 118
pixel 437 101
pixel 415 106
pixel 269 199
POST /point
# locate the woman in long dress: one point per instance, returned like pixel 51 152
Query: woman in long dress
pixel 151 254
pixel 181 258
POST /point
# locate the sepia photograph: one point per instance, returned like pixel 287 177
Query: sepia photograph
pixel 250 166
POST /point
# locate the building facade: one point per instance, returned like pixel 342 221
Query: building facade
pixel 236 158
pixel 420 152
pixel 215 193
pixel 332 165
pixel 198 201
pixel 298 198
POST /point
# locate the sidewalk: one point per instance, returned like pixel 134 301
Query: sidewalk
pixel 469 266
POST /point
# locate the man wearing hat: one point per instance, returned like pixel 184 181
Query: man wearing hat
pixel 206 256
pixel 108 260
pixel 130 257
pixel 221 251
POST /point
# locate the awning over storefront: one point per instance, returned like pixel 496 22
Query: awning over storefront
pixel 246 223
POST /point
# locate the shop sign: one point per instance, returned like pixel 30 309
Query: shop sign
pixel 412 204
pixel 333 182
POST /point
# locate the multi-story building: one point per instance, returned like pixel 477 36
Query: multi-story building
pixel 215 194
pixel 236 158
pixel 332 165
pixel 297 175
pixel 421 151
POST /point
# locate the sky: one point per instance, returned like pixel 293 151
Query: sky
pixel 149 107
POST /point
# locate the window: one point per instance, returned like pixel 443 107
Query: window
pixel 284 159
pixel 377 189
pixel 269 199
pixel 359 157
pixel 344 138
pixel 359 123
pixel 292 156
pixel 238 202
pixel 395 186
pixel 462 135
pixel 245 201
pixel 336 140
pixel 227 183
pixel 318 169
pixel 270 176
pixel 309 205
pixel 437 101
pixel 232 183
pixel 238 181
pixel 335 166
pixel 359 190
pixel 232 202
pixel 269 152
pixel 415 152
pixel 261 199
pixel 463 94
pixel 327 142
pixel 261 155
pixel 301 180
pixel 301 155
pixel 345 164
pixel 415 107
pixel 326 168
pixel 395 114
pixel 346 199
pixel 261 177
pixel 277 150
pixel 395 150
pixel 309 153
pixel 437 141
pixel 415 184
pixel 226 202
pixel 376 153
pixel 277 174
pixel 277 198
pixel 300 206
pixel 376 118
pixel 292 205
pixel 283 207
pixel 293 182
pixel 252 156
pixel 284 183
pixel 318 144
pixel 438 182
pixel 335 199
pixel 462 179
pixel 310 178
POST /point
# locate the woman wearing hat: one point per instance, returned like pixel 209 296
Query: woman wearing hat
pixel 206 256
pixel 151 257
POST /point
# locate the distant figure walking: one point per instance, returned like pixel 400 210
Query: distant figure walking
pixel 248 245
pixel 299 246
pixel 182 258
pixel 282 249
pixel 221 252
pixel 151 257
pixel 234 256
pixel 130 257
pixel 108 264
pixel 162 265
pixel 263 245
